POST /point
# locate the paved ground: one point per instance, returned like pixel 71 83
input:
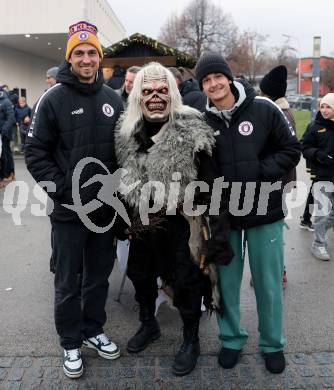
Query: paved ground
pixel 29 351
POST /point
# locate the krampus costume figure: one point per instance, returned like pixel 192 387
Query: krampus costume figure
pixel 160 141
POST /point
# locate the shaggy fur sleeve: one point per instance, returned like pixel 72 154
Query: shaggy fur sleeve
pixel 219 247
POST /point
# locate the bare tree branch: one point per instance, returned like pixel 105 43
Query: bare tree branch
pixel 202 26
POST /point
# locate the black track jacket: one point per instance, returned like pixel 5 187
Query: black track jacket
pixel 73 120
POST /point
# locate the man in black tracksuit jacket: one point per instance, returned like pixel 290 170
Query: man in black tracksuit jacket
pixel 254 148
pixel 74 120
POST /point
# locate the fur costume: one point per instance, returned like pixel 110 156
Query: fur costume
pixel 186 133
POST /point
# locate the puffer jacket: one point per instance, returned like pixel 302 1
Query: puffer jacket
pixel 254 145
pixel 317 143
pixel 7 117
pixel 191 95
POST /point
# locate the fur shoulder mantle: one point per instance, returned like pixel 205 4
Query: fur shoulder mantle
pixel 172 157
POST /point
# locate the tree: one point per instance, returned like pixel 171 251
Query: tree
pixel 327 76
pixel 201 26
pixel 249 56
pixel 285 55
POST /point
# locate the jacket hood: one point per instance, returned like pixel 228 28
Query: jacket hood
pixel 320 120
pixel 189 85
pixel 249 91
pixel 282 103
pixel 66 76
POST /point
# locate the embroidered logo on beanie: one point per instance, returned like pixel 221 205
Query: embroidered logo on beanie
pixel 83 36
pixel 81 26
pixel 82 32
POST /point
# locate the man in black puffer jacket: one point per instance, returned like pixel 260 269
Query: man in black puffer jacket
pixel 254 148
pixel 191 95
pixel 72 121
pixel 190 92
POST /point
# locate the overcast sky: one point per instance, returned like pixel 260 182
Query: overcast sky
pixel 301 19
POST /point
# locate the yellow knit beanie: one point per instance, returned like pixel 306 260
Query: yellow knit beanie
pixel 82 32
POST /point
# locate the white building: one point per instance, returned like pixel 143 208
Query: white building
pixel 33 36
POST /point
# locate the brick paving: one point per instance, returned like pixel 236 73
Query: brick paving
pixel 304 371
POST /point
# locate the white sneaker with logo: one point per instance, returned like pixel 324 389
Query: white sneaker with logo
pixel 320 252
pixel 72 363
pixel 104 347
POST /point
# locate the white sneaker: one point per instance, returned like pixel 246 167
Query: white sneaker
pixel 320 252
pixel 104 347
pixel 72 363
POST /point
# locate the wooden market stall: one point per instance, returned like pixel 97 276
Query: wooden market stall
pixel 139 49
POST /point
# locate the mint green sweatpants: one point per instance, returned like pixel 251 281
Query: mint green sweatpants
pixel 266 259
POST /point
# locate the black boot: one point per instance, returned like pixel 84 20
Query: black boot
pixel 186 359
pixel 148 331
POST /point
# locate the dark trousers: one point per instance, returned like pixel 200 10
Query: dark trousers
pixel 166 253
pixel 309 202
pixel 23 140
pixel 7 161
pixel 80 314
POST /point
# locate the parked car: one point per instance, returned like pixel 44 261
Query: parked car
pixel 300 102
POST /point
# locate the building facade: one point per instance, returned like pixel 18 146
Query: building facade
pixel 33 38
pixel 306 65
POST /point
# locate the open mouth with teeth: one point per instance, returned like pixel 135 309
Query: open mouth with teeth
pixel 153 107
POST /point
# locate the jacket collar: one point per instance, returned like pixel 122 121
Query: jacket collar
pixel 320 120
pixel 66 76
pixel 227 114
pixel 282 103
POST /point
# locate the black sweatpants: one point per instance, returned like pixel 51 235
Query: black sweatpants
pixel 307 215
pixel 80 314
pixel 7 161
pixel 166 253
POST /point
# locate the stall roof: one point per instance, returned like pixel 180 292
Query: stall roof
pixel 139 49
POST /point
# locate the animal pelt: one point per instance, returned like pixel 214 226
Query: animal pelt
pixel 171 158
pixel 198 241
pixel 199 236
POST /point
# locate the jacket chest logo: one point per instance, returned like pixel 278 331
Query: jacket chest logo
pixel 246 128
pixel 322 130
pixel 107 110
pixel 79 111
